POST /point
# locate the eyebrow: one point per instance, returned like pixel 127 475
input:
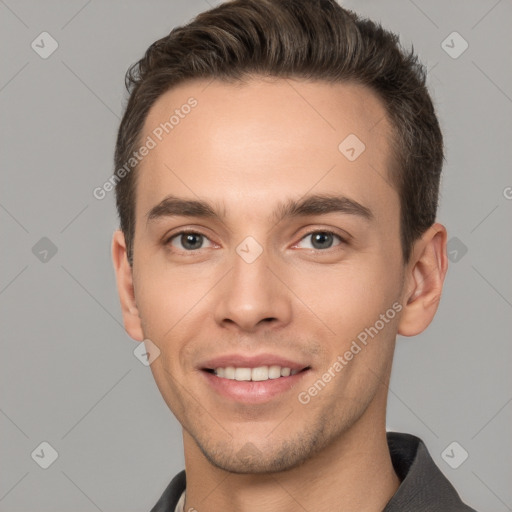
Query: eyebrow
pixel 317 204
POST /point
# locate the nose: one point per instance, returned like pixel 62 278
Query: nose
pixel 252 297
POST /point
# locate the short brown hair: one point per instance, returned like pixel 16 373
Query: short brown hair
pixel 307 39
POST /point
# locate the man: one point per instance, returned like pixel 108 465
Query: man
pixel 278 169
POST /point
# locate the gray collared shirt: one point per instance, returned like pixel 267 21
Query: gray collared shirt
pixel 423 487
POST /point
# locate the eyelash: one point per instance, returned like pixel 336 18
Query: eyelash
pixel 323 231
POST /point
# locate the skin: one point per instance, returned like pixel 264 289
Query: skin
pixel 246 148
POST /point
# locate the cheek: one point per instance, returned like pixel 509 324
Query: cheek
pixel 164 295
pixel 174 306
pixel 359 306
pixel 348 298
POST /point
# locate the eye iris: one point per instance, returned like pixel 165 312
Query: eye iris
pixel 321 239
pixel 191 240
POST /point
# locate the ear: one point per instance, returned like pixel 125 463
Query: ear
pixel 131 318
pixel 424 280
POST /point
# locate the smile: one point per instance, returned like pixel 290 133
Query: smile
pixel 253 385
pixel 258 374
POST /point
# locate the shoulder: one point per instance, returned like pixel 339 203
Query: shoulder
pixel 424 487
pixel 172 494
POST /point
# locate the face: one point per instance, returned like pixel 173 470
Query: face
pixel 293 261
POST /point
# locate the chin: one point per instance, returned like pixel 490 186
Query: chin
pixel 235 463
pixel 274 457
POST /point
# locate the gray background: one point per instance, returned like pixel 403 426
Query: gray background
pixel 68 375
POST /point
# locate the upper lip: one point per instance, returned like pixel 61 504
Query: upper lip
pixel 245 361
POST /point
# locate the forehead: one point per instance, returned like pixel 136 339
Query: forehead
pixel 245 144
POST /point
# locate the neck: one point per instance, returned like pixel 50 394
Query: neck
pixel 354 472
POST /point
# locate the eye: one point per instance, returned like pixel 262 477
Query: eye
pixel 187 241
pixel 321 239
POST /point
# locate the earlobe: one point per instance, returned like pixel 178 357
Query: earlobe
pixel 124 277
pixel 424 281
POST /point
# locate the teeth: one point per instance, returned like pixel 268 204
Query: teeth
pixel 260 373
pixel 274 372
pixel 242 374
pixel 255 374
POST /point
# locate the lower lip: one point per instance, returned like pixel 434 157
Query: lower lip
pixel 253 392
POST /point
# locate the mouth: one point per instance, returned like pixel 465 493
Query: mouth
pixel 257 374
pixel 251 384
